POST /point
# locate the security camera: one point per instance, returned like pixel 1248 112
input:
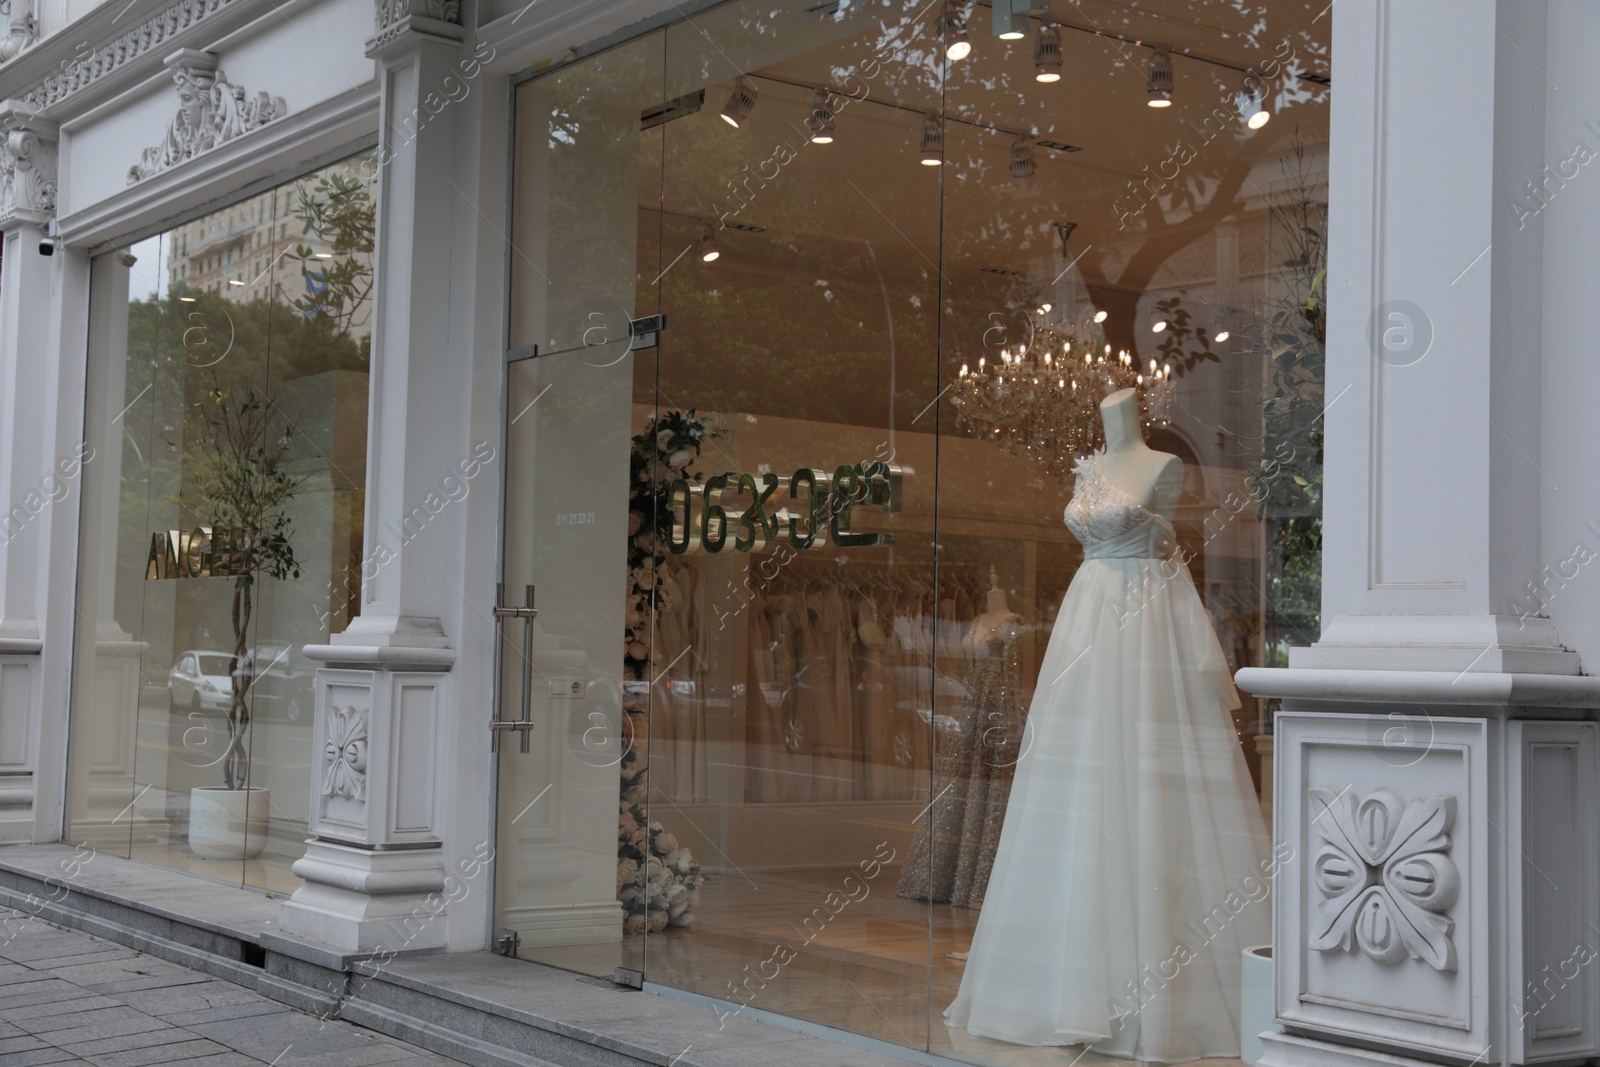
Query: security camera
pixel 47 246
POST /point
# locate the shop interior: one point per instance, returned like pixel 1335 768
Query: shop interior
pixel 851 218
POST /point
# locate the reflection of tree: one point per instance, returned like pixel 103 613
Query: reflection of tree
pixel 239 469
pixel 180 351
pixel 1292 335
pixel 336 210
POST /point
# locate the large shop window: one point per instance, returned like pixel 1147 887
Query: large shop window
pixel 891 582
pixel 223 493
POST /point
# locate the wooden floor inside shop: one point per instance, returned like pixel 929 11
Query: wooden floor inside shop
pixel 868 970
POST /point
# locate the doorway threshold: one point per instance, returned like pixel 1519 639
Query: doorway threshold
pixel 476 1007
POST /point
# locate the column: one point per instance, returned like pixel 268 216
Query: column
pixel 1436 766
pixel 30 483
pixel 374 867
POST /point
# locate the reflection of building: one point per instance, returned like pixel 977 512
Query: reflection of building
pixel 248 252
pixel 539 217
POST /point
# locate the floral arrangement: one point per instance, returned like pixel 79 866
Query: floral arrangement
pixel 658 881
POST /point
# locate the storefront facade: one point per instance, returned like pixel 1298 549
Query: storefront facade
pixel 760 352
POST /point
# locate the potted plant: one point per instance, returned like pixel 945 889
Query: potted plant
pixel 242 478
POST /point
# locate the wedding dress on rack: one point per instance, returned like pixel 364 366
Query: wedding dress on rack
pixel 975 756
pixel 1132 828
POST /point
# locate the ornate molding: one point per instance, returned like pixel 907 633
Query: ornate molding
pixel 153 33
pixel 211 111
pixel 344 754
pixel 27 167
pixel 395 18
pixel 1385 877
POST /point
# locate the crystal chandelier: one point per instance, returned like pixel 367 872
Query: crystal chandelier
pixel 1041 398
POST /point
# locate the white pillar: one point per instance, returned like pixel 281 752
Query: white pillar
pixel 375 867
pixel 33 480
pixel 1436 758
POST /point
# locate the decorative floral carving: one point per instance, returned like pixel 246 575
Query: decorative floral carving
pixel 211 111
pixel 27 177
pixel 1386 879
pixel 344 754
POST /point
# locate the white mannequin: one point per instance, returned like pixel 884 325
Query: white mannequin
pixel 997 613
pixel 1152 479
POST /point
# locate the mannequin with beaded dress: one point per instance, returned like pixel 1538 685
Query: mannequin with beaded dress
pixel 953 851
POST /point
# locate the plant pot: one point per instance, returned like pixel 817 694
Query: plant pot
pixel 217 822
pixel 1255 1002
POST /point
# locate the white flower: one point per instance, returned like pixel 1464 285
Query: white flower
pixel 634 924
pixel 635 522
pixel 680 860
pixel 680 459
pixel 657 920
pixel 663 440
pixel 666 843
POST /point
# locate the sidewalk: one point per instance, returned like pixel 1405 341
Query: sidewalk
pixel 70 998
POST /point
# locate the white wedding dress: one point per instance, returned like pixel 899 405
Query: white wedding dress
pixel 1132 865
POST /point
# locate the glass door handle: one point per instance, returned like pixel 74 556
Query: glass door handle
pixel 527 614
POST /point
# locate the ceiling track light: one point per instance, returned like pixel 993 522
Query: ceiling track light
pixel 1252 102
pixel 1047 54
pixel 1158 321
pixel 820 122
pixel 1100 313
pixel 707 245
pixel 1010 19
pixel 1022 161
pixel 1158 80
pixel 740 102
pixel 957 44
pixel 932 142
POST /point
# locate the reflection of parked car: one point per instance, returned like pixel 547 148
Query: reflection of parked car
pixel 201 681
pixel 280 682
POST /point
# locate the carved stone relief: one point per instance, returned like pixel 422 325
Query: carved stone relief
pixel 1384 876
pixel 344 754
pixel 28 176
pixel 211 111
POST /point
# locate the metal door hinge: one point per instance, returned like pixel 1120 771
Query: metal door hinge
pixel 646 332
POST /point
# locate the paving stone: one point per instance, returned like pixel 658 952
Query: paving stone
pixel 24 1043
pixel 49 1054
pixel 195 998
pixel 73 1025
pixel 177 1052
pixel 78 1000
pixel 150 1039
pixel 85 1002
pixel 224 1012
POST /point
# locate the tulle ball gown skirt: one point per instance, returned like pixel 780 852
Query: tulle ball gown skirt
pixel 1133 863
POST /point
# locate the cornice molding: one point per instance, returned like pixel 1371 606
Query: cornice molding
pixel 155 34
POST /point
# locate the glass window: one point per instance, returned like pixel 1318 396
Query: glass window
pixel 223 475
pixel 979 446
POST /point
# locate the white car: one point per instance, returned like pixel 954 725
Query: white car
pixel 201 681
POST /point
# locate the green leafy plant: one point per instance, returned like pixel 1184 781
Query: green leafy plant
pixel 240 472
pixel 1291 334
pixel 337 212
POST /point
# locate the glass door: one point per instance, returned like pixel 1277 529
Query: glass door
pixel 580 370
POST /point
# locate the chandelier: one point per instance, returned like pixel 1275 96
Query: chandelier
pixel 1040 398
